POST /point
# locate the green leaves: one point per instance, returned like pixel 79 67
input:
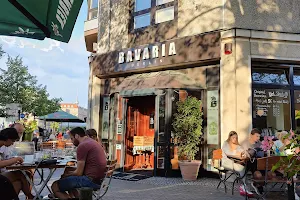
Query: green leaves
pixel 187 126
pixel 17 85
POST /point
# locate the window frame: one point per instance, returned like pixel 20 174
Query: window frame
pixel 152 11
pixel 291 87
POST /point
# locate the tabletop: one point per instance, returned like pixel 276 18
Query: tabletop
pixel 40 166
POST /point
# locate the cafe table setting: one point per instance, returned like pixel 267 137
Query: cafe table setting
pixel 47 159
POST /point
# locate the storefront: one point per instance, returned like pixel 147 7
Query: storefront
pixel 140 88
pixel 276 100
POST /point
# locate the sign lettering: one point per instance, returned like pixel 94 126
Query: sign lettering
pixel 155 51
pixel 63 11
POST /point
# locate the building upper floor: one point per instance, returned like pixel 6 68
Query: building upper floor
pixel 125 24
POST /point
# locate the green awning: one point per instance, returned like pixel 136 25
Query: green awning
pixel 60 116
pixel 38 19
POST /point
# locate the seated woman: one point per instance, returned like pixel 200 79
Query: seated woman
pixel 280 144
pixel 231 147
pixel 7 138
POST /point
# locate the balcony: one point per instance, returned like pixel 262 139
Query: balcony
pixel 90 33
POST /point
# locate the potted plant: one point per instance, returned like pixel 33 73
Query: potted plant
pixel 187 127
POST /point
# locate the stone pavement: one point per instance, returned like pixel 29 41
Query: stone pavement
pixel 161 188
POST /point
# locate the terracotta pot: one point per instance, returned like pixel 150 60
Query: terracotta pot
pixel 189 169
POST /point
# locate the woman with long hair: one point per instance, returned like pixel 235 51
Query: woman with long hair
pixel 231 147
pixel 7 138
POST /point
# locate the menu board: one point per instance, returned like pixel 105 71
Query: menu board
pixel 269 102
pixel 143 141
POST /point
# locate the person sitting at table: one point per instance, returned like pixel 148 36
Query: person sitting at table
pixel 231 147
pixel 91 167
pixel 280 144
pixel 7 138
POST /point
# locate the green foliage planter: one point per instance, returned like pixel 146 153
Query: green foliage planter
pixel 187 127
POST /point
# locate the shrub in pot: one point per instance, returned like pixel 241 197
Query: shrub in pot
pixel 187 127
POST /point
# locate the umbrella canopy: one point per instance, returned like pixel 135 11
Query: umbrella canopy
pixel 61 116
pixel 38 19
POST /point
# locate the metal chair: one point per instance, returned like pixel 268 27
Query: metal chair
pixel 111 166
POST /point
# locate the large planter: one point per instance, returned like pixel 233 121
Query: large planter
pixel 189 169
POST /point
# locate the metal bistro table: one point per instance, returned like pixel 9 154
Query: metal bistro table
pixel 52 168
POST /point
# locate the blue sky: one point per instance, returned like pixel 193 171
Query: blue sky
pixel 62 67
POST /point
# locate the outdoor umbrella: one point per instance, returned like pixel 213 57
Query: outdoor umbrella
pixel 60 116
pixel 38 19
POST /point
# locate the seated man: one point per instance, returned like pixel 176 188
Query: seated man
pixel 91 166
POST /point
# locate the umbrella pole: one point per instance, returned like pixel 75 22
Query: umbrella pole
pixel 68 125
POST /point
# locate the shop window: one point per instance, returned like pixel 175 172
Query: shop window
pixel 161 118
pixel 270 76
pixel 297 109
pixel 145 13
pixel 271 110
pixel 296 77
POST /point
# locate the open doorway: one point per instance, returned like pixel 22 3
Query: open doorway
pixel 139 136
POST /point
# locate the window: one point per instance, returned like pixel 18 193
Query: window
pixel 94 4
pixel 142 21
pixel 93 9
pixel 142 5
pixel 270 76
pixel 163 15
pixel 151 12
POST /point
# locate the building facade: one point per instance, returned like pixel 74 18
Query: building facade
pixel 240 58
pixel 74 109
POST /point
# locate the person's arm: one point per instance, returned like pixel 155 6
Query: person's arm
pixel 81 158
pixel 78 171
pixel 9 162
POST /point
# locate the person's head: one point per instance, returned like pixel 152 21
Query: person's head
pixel 233 137
pixel 19 127
pixel 255 135
pixel 280 135
pixel 92 133
pixel 9 136
pixel 76 135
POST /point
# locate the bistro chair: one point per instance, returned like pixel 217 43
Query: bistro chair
pixel 111 166
pixel 224 174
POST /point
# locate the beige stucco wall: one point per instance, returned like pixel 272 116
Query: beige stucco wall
pixel 271 15
pixel 199 16
pixel 235 73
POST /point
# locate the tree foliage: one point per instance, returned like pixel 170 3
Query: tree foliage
pixel 187 125
pixel 17 85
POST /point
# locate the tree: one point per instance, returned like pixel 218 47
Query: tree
pixel 54 126
pixel 17 85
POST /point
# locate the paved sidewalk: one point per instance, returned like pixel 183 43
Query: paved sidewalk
pixel 160 188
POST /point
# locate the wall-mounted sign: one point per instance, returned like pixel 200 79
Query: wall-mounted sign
pixel 105 117
pixel 119 128
pixel 118 146
pixel 212 117
pixel 149 52
pixel 171 52
pixel 269 102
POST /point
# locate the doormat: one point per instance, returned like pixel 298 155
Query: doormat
pixel 129 177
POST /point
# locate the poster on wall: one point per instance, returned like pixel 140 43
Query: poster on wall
pixel 212 117
pixel 105 118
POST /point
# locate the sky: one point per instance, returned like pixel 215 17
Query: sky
pixel 62 67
